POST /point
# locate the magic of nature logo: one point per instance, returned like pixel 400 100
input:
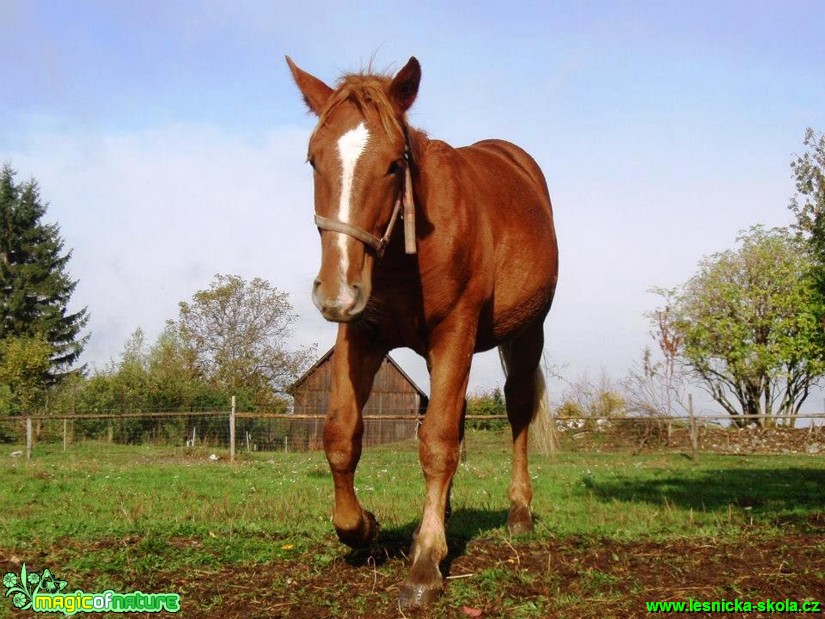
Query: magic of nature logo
pixel 45 593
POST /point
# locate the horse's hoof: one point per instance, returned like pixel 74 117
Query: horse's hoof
pixel 424 584
pixel 363 535
pixel 519 521
pixel 417 595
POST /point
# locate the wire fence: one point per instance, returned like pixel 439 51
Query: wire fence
pixel 229 432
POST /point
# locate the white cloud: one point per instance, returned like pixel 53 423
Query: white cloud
pixel 152 216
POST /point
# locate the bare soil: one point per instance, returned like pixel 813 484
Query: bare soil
pixel 495 578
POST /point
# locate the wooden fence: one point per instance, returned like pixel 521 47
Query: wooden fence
pixel 255 431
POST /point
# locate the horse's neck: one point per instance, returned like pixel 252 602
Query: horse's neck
pixel 421 158
pixel 417 142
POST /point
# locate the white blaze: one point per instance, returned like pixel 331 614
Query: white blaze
pixel 350 147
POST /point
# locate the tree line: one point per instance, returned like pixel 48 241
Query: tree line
pixel 231 339
pixel 748 328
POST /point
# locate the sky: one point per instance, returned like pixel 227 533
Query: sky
pixel 169 141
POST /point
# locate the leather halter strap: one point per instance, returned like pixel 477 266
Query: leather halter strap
pixel 405 201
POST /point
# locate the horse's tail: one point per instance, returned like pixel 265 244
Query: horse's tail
pixel 542 428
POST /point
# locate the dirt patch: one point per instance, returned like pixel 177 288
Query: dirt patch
pixel 575 577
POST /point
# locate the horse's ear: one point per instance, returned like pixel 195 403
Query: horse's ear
pixel 315 92
pixel 404 87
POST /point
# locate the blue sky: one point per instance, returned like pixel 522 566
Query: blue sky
pixel 169 139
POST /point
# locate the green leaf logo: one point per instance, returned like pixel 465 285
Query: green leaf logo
pixel 23 588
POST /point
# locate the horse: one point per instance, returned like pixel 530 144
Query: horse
pixel 474 266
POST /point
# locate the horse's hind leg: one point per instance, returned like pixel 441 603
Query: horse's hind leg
pixel 354 366
pixel 521 357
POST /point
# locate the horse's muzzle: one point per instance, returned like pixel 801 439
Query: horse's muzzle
pixel 344 306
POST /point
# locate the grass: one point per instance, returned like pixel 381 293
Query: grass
pixel 109 516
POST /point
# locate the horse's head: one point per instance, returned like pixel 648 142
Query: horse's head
pixel 357 153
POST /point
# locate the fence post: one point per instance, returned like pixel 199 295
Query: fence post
pixel 65 433
pixel 694 434
pixel 232 431
pixel 28 438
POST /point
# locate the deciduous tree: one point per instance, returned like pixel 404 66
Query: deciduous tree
pixel 24 365
pixel 749 323
pixel 487 403
pixel 656 386
pixel 238 332
pixel 808 204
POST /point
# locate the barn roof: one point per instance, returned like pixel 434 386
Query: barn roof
pixel 326 356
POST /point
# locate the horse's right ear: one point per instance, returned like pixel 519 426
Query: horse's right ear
pixel 315 92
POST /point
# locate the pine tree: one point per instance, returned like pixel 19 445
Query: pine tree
pixel 34 284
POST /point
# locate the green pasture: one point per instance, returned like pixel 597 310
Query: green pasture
pixel 106 516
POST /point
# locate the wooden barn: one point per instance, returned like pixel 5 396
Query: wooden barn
pixel 394 394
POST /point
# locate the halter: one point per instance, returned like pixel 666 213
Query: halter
pixel 405 200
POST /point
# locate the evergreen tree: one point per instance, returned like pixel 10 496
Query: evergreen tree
pixel 34 284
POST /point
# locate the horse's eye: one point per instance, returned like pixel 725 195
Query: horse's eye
pixel 395 167
pixel 311 161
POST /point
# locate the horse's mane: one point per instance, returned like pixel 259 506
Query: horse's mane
pixel 368 91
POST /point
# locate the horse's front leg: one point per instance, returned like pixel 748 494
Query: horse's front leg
pixel 439 439
pixel 354 365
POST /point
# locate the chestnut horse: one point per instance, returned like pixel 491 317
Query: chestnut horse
pixel 473 265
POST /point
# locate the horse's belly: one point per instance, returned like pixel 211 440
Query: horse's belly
pixel 510 312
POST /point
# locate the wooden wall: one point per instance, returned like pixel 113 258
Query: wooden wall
pixel 392 394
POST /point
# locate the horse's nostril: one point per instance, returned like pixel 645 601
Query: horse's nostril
pixel 355 304
pixel 317 298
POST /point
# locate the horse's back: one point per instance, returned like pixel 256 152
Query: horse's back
pixel 518 158
pixel 514 193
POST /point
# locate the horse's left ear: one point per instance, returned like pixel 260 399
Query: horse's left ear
pixel 404 87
